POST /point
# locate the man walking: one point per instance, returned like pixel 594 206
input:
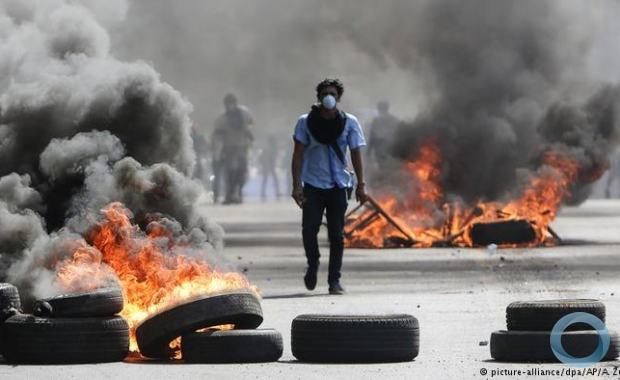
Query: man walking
pixel 321 181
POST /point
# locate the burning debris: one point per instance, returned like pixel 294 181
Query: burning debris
pixel 156 269
pixel 427 218
pixel 507 131
pixel 158 336
pixel 95 164
pixel 365 214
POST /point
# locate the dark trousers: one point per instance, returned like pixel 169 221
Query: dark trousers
pixel 334 201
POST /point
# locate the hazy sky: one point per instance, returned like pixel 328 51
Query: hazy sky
pixel 271 53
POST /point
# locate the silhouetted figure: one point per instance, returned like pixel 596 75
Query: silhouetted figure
pixel 382 131
pixel 268 160
pixel 231 141
pixel 614 171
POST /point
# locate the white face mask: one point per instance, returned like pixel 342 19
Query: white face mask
pixel 329 102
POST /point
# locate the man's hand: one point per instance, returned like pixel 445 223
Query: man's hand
pixel 298 196
pixel 360 193
pixel 356 160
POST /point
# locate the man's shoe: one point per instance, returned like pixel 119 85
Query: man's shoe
pixel 336 289
pixel 310 278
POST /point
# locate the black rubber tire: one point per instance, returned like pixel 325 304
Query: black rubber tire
pixel 241 309
pixel 355 339
pixel 10 303
pixel 97 303
pixel 502 232
pixel 232 346
pixel 31 339
pixel 543 315
pixel 534 346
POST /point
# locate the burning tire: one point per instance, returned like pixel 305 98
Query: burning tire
pixel 241 309
pixel 534 346
pixel 233 346
pixel 348 338
pixel 503 232
pixel 10 303
pixel 96 303
pixel 31 339
pixel 543 315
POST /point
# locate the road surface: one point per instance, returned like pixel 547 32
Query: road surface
pixel 458 295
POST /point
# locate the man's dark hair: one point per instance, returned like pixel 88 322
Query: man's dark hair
pixel 327 82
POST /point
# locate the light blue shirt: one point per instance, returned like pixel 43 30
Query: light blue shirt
pixel 321 166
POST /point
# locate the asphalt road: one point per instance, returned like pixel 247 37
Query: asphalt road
pixel 458 295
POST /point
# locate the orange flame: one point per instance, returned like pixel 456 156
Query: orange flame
pixel 431 220
pixel 155 271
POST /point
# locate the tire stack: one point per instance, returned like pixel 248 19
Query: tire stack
pixel 243 344
pixel 75 328
pixel 529 324
pixel 355 338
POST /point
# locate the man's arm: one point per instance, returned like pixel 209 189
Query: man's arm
pixel 298 157
pixel 358 166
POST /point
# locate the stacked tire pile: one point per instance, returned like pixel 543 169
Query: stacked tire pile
pixel 243 344
pixel 529 324
pixel 76 328
pixel 355 339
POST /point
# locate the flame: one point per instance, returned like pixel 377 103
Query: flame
pixel 175 345
pixel 155 270
pixel 428 218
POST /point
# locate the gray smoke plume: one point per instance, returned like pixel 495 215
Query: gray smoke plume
pixel 20 223
pixel 480 77
pixel 80 129
pixel 496 83
pixel 504 82
pixel 271 54
pixel 146 191
pixel 36 272
pixel 60 79
pixel 67 157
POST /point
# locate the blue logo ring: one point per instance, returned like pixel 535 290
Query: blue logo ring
pixel 555 339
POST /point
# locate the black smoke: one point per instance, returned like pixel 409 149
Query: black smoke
pixel 80 129
pixel 504 82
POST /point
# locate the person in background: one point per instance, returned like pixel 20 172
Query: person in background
pixel 382 131
pixel 268 164
pixel 231 143
pixel 321 181
pixel 614 171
